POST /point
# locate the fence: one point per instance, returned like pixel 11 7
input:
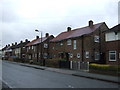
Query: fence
pixel 77 65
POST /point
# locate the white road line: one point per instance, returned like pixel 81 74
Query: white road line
pixel 70 86
pixel 7 84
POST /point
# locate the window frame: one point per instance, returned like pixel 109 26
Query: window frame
pixel 96 54
pixel 96 38
pixel 111 52
pixel 69 42
pixel 74 44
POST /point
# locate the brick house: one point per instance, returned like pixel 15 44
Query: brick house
pixel 6 52
pixel 38 49
pixel 20 50
pixel 112 38
pixel 84 44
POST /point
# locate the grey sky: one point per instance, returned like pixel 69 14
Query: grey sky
pixel 21 17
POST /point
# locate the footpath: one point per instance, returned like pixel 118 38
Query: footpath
pixel 79 73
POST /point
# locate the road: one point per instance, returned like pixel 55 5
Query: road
pixel 17 76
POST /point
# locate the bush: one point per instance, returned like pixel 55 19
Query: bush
pixel 102 67
pixel 52 63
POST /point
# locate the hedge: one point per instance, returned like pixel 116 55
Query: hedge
pixel 102 67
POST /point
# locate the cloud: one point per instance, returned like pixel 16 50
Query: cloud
pixel 21 17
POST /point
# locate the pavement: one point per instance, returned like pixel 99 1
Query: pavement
pixel 79 73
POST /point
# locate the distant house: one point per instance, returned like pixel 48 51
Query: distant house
pixel 84 44
pixel 112 38
pixel 38 49
pixel 6 52
pixel 20 50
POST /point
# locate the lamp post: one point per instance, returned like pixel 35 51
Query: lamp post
pixel 41 43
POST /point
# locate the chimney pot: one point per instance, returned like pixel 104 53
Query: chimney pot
pixel 68 29
pixel 12 44
pixel 47 35
pixel 37 37
pixel 15 43
pixel 8 44
pixel 21 41
pixel 90 23
pixel 26 40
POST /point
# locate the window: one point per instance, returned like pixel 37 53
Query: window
pixel 96 38
pixel 78 55
pixel 71 55
pixel 39 54
pixel 97 55
pixel 45 55
pixel 68 42
pixel 32 47
pixel 112 55
pixel 111 36
pixel 61 44
pixel 74 44
pixel 53 48
pixel 29 47
pixel 45 45
pixel 87 54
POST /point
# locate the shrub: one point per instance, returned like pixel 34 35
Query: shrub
pixel 103 67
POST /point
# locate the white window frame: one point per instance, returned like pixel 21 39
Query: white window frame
pixel 45 45
pixel 71 55
pixel 69 42
pixel 32 47
pixel 61 44
pixel 111 52
pixel 96 54
pixel 87 54
pixel 78 55
pixel 74 44
pixel 96 38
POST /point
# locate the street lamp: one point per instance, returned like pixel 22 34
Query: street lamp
pixel 40 45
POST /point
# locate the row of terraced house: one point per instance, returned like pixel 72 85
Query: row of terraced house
pixel 94 43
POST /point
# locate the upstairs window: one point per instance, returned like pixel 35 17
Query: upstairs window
pixel 112 55
pixel 74 44
pixel 29 47
pixel 69 42
pixel 45 45
pixel 32 47
pixel 96 38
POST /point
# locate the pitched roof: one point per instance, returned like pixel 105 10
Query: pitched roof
pixel 22 44
pixel 114 29
pixel 37 41
pixel 76 32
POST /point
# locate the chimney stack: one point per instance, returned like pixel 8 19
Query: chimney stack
pixel 47 35
pixel 26 40
pixel 15 43
pixel 68 29
pixel 21 41
pixel 12 44
pixel 90 23
pixel 37 37
pixel 8 44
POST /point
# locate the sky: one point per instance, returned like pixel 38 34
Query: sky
pixel 20 18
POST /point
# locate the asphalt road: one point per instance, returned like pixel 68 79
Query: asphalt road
pixel 17 76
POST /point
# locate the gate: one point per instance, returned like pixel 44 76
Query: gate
pixel 77 65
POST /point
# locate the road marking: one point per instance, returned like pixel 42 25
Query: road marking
pixel 70 86
pixel 7 84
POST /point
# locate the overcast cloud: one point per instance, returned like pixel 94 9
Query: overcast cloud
pixel 19 18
